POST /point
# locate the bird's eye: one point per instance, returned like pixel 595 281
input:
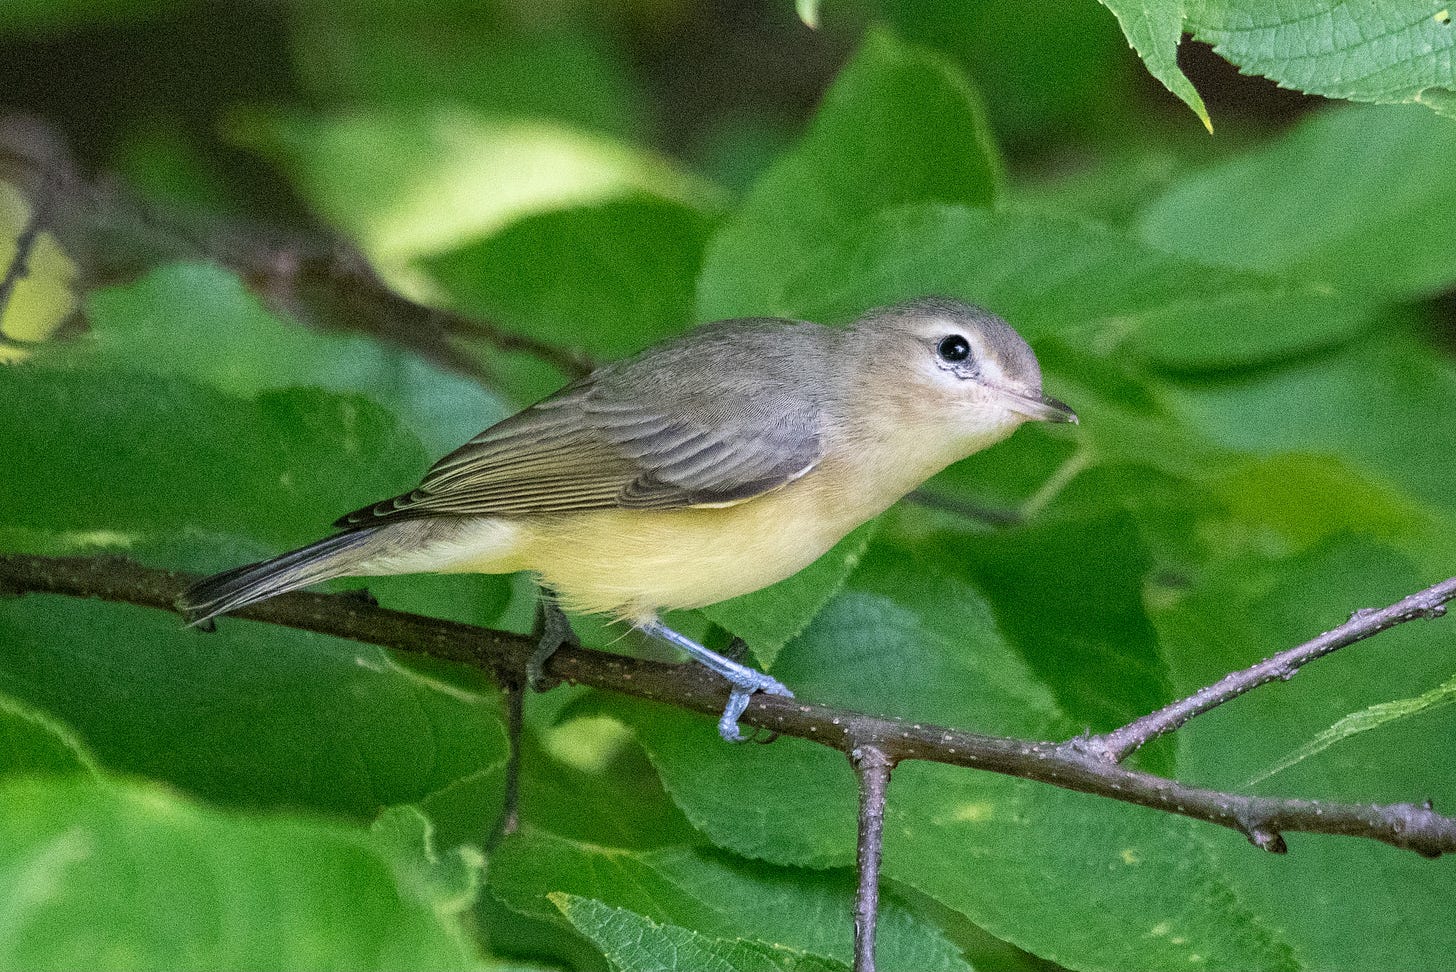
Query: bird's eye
pixel 953 348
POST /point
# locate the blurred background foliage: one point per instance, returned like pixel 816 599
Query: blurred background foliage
pixel 1255 325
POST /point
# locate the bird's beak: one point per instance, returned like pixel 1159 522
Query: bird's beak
pixel 1038 407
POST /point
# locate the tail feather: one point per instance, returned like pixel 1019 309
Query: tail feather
pixel 232 589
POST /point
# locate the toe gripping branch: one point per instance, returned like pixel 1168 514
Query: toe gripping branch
pixel 744 680
pixel 553 631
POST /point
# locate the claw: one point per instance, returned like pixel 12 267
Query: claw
pixel 728 721
pixel 553 631
pixel 745 680
pixel 738 702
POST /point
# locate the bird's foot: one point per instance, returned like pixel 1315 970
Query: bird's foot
pixel 745 680
pixel 738 703
pixel 553 631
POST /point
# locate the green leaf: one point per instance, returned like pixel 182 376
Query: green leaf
pixel 607 279
pixel 1284 504
pixel 132 877
pixel 1092 286
pixel 899 125
pixel 1101 658
pixel 450 880
pixel 1393 51
pixel 1154 28
pixel 1251 607
pixel 1054 78
pixel 1367 719
pixel 257 716
pixel 1080 881
pixel 635 944
pixel 1373 403
pixel 43 298
pixel 364 53
pixel 769 618
pixel 410 183
pixel 182 463
pixel 31 742
pixel 198 322
pixel 148 457
pixel 715 895
pixel 163 468
pixel 1354 197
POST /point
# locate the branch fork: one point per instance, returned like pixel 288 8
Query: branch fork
pixel 1087 764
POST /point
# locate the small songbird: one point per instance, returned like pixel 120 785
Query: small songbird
pixel 705 467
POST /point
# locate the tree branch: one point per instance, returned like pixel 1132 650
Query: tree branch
pixel 873 768
pixel 509 818
pixel 1261 819
pixel 1122 743
pixel 115 237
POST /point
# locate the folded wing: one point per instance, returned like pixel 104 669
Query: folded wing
pixel 616 440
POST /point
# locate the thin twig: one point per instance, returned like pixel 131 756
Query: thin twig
pixel 574 364
pixel 117 236
pixel 873 768
pixel 991 515
pixel 1121 743
pixel 509 818
pixel 338 287
pixel 692 688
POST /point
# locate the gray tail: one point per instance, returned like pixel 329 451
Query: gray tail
pixel 324 560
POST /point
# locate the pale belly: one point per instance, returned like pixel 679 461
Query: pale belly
pixel 632 564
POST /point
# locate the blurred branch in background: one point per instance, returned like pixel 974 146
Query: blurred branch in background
pixel 115 237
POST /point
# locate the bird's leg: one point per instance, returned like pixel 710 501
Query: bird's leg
pixel 552 630
pixel 745 680
pixel 737 650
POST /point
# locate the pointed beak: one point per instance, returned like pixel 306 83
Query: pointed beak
pixel 1038 407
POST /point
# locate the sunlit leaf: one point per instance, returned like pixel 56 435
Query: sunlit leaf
pixel 97 875
pixel 42 297
pixel 407 184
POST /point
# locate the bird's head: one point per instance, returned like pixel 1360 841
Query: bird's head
pixel 942 366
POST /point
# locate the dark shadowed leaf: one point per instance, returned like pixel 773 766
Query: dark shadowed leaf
pixel 899 125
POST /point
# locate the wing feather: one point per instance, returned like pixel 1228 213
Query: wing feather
pixel 603 443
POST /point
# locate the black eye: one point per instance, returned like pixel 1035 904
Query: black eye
pixel 954 348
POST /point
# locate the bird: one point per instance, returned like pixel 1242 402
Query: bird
pixel 705 467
